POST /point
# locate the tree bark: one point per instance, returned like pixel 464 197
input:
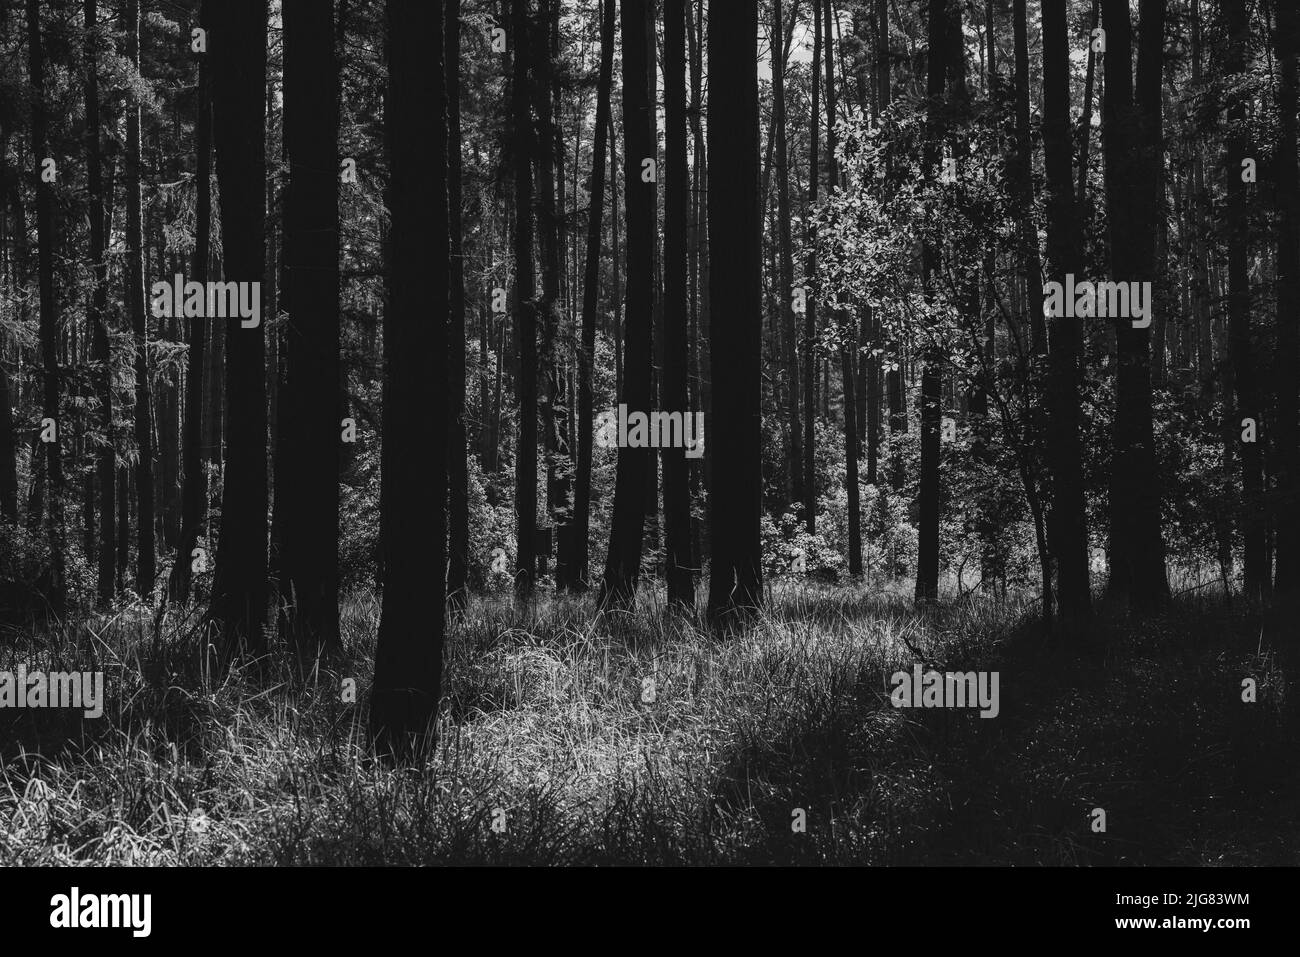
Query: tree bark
pixel 735 216
pixel 237 40
pixel 408 660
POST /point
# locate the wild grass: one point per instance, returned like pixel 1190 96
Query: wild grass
pixel 544 733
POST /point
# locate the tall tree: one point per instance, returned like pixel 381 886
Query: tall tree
pixel 135 308
pixel 1254 525
pixel 1131 147
pixel 1030 261
pixel 591 296
pixel 237 44
pixel 677 496
pixel 735 250
pixel 525 303
pixel 927 557
pixel 810 271
pixel 413 511
pixel 105 459
pixel 51 375
pixel 1286 39
pixel 559 486
pixel 457 448
pixel 310 410
pixel 623 564
pixel 1066 523
pixel 194 481
pixel 794 442
pixel 848 344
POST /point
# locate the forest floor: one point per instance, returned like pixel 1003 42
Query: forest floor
pixel 548 753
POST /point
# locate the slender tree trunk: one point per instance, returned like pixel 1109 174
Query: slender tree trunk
pixel 310 411
pixel 1067 530
pixel 623 564
pixel 559 490
pixel 458 447
pixel 408 661
pixel 590 300
pixel 1254 526
pixel 525 302
pixel 105 459
pixel 237 39
pixel 927 550
pixel 810 304
pixel 135 308
pixel 678 570
pixel 794 444
pixel 735 237
pixel 1286 376
pixel 194 486
pixel 1031 262
pixel 1131 141
pixel 51 375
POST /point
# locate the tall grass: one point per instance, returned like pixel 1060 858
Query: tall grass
pixel 549 751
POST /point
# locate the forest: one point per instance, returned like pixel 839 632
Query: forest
pixel 653 432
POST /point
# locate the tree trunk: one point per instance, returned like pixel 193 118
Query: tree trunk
pixel 194 483
pixel 810 357
pixel 623 564
pixel 458 448
pixel 1286 40
pixel 1067 530
pixel 51 375
pixel 135 309
pixel 310 410
pixel 237 40
pixel 525 303
pixel 735 237
pixel 794 443
pixel 105 459
pixel 408 662
pixel 1132 145
pixel 678 570
pixel 1254 527
pixel 590 299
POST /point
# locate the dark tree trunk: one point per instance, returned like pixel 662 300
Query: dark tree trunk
pixel 1131 141
pixel 735 236
pixel 51 375
pixel 310 409
pixel 525 302
pixel 135 309
pixel 1031 263
pixel 927 548
pixel 1254 528
pixel 848 346
pixel 237 40
pixel 623 564
pixel 105 459
pixel 194 482
pixel 810 357
pixel 794 428
pixel 1067 530
pixel 559 485
pixel 590 299
pixel 457 444
pixel 408 661
pixel 677 495
pixel 1287 368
